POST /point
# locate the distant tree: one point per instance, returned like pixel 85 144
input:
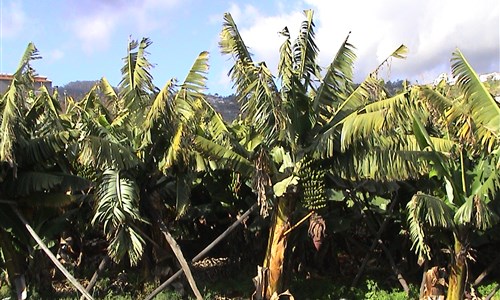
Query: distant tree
pixel 78 89
pixel 227 106
pixel 394 87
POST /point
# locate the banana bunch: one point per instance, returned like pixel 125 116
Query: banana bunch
pixel 312 179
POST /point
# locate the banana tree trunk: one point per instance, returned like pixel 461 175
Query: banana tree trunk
pixel 275 254
pixel 456 282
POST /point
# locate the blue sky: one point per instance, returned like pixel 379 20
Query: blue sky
pixel 87 39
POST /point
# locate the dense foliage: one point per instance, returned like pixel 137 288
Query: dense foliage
pixel 398 183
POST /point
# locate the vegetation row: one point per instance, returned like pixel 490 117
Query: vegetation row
pixel 320 188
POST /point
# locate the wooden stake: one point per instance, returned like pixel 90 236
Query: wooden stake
pixel 99 270
pixel 298 223
pixel 203 252
pixel 180 257
pixel 45 249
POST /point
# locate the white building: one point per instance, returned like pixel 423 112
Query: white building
pixel 495 76
pixel 6 79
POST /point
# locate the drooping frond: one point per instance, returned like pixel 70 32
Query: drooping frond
pixel 24 69
pixel 44 116
pixel 256 89
pixel 357 99
pixel 427 144
pixel 195 81
pixel 91 104
pixel 426 210
pixel 449 114
pixel 71 107
pixel 486 178
pixel 435 99
pixel 388 158
pixel 357 127
pixel 126 240
pixel 182 193
pixel 110 97
pixel 326 142
pixel 336 84
pixel 285 65
pixel 399 53
pixel 159 105
pixel 328 135
pixel 92 127
pixel 192 88
pixel 383 165
pixel 263 106
pixel 232 44
pixel 483 108
pixel 224 156
pixel 10 118
pixel 185 114
pixel 52 103
pixel 159 111
pixel 381 118
pixel 410 143
pixel 214 126
pixel 33 182
pixel 117 208
pixel 88 102
pixel 476 213
pixel 45 148
pixel 119 126
pixel 173 152
pixel 103 154
pixel 361 95
pixel 12 102
pixel 305 50
pixel 456 117
pixel 137 81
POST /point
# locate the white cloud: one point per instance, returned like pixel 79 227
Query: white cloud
pixel 156 4
pixel 261 32
pixel 95 21
pixel 224 81
pixel 94 31
pixel 55 55
pixel 149 15
pixel 13 18
pixel 264 39
pixel 431 30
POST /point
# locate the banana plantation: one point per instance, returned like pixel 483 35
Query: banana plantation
pixel 322 188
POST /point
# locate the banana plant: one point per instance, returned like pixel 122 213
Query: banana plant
pixel 36 179
pixel 304 124
pixel 139 143
pixel 468 174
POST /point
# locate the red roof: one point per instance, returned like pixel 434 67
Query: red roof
pixel 37 78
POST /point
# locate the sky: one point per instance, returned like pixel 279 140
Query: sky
pixel 87 39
